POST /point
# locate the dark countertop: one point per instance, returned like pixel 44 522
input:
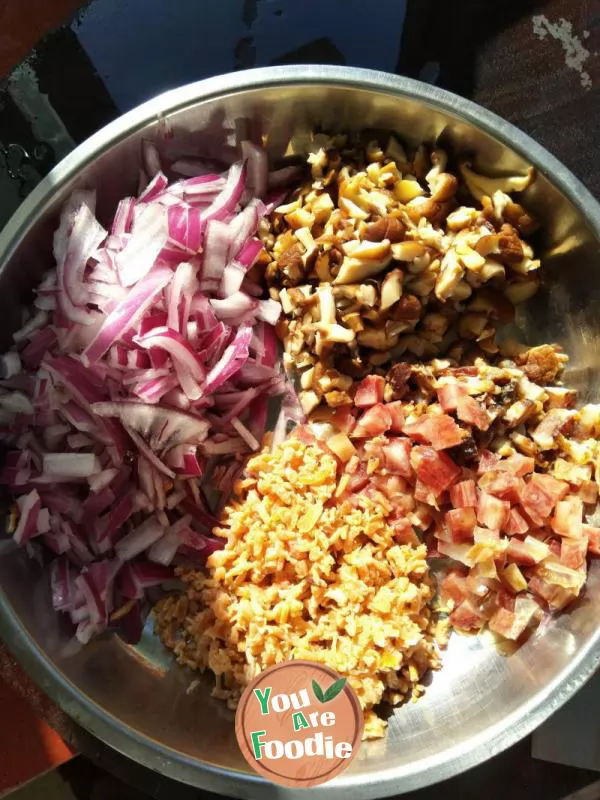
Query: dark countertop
pixel 534 62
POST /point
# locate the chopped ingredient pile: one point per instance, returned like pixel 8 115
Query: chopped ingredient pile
pixel 310 569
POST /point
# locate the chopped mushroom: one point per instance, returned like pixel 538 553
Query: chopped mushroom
pixel 372 258
pixel 482 185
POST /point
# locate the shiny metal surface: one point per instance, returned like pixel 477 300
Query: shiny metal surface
pixel 481 702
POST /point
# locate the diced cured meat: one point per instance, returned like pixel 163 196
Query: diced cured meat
pixel 424 493
pixel 573 552
pixel 453 587
pixel 436 470
pixel 528 552
pixel 516 523
pixel 466 617
pixel 518 464
pixel 397 457
pixel 588 491
pixel 438 429
pixel 375 421
pixel 555 596
pixel 464 494
pixel 512 624
pixel 343 419
pixel 471 412
pixel 449 394
pixel 369 391
pixel 492 512
pixel 501 484
pixel 487 461
pixel 555 488
pixel 359 479
pixel 593 536
pixel 461 522
pixel 568 517
pixel 396 411
pixel 537 501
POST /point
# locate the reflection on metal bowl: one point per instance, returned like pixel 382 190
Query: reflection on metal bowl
pixel 481 701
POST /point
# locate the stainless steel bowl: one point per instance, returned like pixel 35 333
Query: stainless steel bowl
pixel 481 702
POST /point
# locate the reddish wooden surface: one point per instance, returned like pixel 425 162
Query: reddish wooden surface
pixel 24 22
pixel 29 723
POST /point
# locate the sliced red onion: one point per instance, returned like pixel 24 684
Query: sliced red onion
pixel 137 304
pixel 139 539
pixel 149 236
pixel 29 508
pixel 37 321
pixel 161 427
pixel 246 435
pixel 108 526
pixel 10 364
pixel 128 311
pixel 84 238
pixel 233 359
pixel 70 465
pixel 123 216
pixel 229 196
pixel 16 403
pixel 154 188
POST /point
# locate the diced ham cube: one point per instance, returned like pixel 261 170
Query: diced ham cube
pixel 449 394
pixel 553 544
pixel 588 491
pixel 369 391
pixel 444 432
pixel 528 552
pixel 358 479
pixel 501 484
pixel 461 522
pixel 514 578
pixel 593 536
pixel 417 430
pixel 516 523
pixel 424 493
pixel 536 500
pixel 343 419
pixel 470 411
pixel 487 461
pixel 375 421
pixel 458 551
pixel 512 624
pixel 438 429
pixel 397 457
pixel 466 617
pixel 518 464
pixel 568 517
pixel 485 535
pixel 573 552
pixel 404 533
pixel 396 411
pixel 436 470
pixel 558 574
pixel 492 512
pixel 464 494
pixel 555 596
pixel 453 587
pixel 555 488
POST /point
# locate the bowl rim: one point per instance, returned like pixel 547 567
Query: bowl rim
pixel 94 718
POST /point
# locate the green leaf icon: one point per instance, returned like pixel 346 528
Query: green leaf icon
pixel 334 690
pixel 318 692
pixel 331 693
